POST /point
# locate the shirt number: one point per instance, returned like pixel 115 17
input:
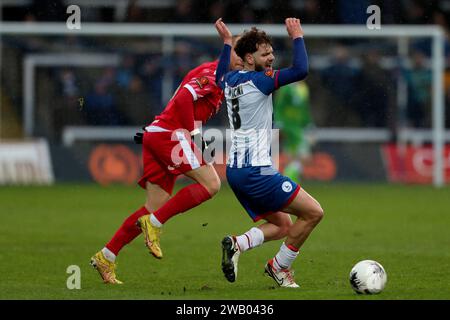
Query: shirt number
pixel 235 113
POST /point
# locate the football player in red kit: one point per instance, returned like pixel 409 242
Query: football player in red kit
pixel 169 150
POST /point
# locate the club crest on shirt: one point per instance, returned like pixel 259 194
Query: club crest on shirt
pixel 286 186
pixel 269 73
pixel 202 81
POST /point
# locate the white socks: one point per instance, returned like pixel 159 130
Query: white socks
pixel 285 257
pixel 251 239
pixel 255 237
pixel 155 222
pixel 108 254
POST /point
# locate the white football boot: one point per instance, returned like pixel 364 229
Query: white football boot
pixel 230 257
pixel 283 277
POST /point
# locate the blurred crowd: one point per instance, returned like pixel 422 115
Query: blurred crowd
pixel 357 82
pixel 237 11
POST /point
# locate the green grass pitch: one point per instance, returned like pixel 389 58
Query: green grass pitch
pixel 44 230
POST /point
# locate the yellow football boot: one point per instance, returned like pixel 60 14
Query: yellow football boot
pixel 105 268
pixel 151 236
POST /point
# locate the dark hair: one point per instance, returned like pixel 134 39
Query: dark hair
pixel 250 40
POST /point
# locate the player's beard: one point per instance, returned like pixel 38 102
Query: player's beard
pixel 259 67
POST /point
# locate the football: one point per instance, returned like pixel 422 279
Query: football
pixel 368 277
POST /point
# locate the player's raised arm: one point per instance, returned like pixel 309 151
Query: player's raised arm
pixel 299 69
pixel 224 61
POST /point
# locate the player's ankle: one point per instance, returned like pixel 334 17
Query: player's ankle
pixel 154 221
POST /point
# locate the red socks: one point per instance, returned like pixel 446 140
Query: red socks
pixel 185 199
pixel 127 232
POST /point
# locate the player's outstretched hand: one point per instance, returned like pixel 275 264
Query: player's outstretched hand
pixel 224 32
pixel 294 28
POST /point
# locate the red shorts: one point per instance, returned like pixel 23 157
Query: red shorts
pixel 166 155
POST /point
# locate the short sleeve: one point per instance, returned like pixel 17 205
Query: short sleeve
pixel 201 86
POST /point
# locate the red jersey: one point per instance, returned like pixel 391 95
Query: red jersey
pixel 203 101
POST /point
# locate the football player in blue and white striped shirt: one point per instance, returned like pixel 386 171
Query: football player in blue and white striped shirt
pixel 262 190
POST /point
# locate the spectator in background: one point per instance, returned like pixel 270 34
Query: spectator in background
pixel 134 13
pixel 246 15
pixel 439 19
pixel 239 11
pixel 415 12
pixel 372 91
pixel 279 10
pixel 151 72
pixel 340 80
pixel 391 11
pixel 447 95
pixel 216 10
pixel 67 104
pixel 314 12
pixel 182 62
pixel 418 79
pixel 125 72
pixel 101 105
pixel 69 87
pixel 135 103
pixel 109 76
pixel 184 12
pixel 46 10
pixel 353 12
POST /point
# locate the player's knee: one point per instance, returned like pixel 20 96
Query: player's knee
pixel 213 185
pixel 317 214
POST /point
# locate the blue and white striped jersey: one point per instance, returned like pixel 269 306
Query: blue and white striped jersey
pixel 248 96
pixel 249 104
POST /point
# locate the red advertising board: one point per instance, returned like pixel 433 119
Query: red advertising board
pixel 412 164
pixel 118 163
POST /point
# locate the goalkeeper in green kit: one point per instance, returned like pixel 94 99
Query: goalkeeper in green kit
pixel 293 118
